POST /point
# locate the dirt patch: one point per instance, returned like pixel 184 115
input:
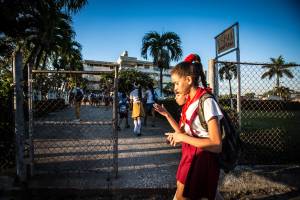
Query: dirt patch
pixel 262 182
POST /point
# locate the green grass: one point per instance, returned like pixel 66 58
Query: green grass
pixel 254 120
pixel 271 136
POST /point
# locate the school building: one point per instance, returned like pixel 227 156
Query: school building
pixel 124 62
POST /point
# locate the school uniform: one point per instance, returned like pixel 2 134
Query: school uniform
pixel 137 107
pixel 149 101
pixel 198 169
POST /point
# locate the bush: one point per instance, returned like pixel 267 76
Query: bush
pixel 43 107
pixel 274 105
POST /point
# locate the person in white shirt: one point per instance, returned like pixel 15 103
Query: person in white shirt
pixel 137 108
pixel 150 100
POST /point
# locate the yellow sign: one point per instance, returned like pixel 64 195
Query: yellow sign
pixel 226 41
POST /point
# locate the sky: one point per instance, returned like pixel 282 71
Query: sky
pixel 268 28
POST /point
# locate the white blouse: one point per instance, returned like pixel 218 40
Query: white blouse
pixel 211 109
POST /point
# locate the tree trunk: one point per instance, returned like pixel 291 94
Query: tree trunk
pixel 277 81
pixel 34 61
pixel 161 81
pixel 39 56
pixel 45 60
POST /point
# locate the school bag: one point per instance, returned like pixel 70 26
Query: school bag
pixel 123 105
pixel 155 96
pixel 231 143
pixel 79 95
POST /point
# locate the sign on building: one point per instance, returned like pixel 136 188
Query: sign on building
pixel 226 40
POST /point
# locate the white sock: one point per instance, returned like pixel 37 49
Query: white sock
pixel 135 122
pixel 139 123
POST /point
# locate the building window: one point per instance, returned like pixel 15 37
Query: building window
pixel 147 67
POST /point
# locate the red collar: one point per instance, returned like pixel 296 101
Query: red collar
pixel 200 91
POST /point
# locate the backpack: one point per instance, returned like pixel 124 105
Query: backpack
pixel 79 95
pixel 231 143
pixel 123 105
pixel 155 96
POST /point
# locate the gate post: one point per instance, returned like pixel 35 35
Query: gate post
pixel 213 77
pixel 238 98
pixel 115 122
pixel 19 115
pixel 30 121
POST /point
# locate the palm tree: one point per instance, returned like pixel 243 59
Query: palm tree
pixel 163 48
pixel 228 71
pixel 42 30
pixel 278 68
pixel 40 27
pixel 71 6
pixel 50 33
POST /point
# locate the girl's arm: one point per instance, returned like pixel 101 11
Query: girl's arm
pixel 163 111
pixel 173 123
pixel 213 143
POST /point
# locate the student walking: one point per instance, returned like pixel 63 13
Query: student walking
pixel 123 110
pixel 198 172
pixel 150 96
pixel 78 96
pixel 137 108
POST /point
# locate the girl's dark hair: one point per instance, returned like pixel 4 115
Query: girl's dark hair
pixel 191 67
pixel 140 92
pixel 150 86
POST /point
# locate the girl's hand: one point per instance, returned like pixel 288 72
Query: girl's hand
pixel 174 138
pixel 161 109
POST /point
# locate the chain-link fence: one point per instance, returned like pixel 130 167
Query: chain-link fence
pixel 269 109
pixel 7 142
pixel 71 123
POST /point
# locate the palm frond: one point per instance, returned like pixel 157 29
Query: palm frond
pixel 288 73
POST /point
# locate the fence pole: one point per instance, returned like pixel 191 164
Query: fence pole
pixel 238 98
pixel 211 71
pixel 115 123
pixel 19 115
pixel 30 126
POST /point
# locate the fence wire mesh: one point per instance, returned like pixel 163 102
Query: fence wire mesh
pixel 71 132
pixel 270 109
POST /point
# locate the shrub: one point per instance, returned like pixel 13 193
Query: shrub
pixel 44 107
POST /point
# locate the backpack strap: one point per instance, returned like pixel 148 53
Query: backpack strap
pixel 200 113
pixel 190 122
pixel 201 109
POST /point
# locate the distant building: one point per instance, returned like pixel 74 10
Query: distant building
pixel 295 96
pixel 125 62
pixel 272 97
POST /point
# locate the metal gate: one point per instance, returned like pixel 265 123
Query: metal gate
pixel 266 110
pixel 68 135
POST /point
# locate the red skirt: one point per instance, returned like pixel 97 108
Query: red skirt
pixel 199 172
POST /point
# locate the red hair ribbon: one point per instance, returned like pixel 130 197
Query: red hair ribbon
pixel 190 58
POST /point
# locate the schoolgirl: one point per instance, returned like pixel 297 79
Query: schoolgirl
pixel 198 172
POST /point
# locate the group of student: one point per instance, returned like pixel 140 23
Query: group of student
pixel 100 98
pixel 141 103
pixel 201 141
pixel 200 137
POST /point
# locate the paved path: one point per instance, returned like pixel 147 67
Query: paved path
pixel 144 162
